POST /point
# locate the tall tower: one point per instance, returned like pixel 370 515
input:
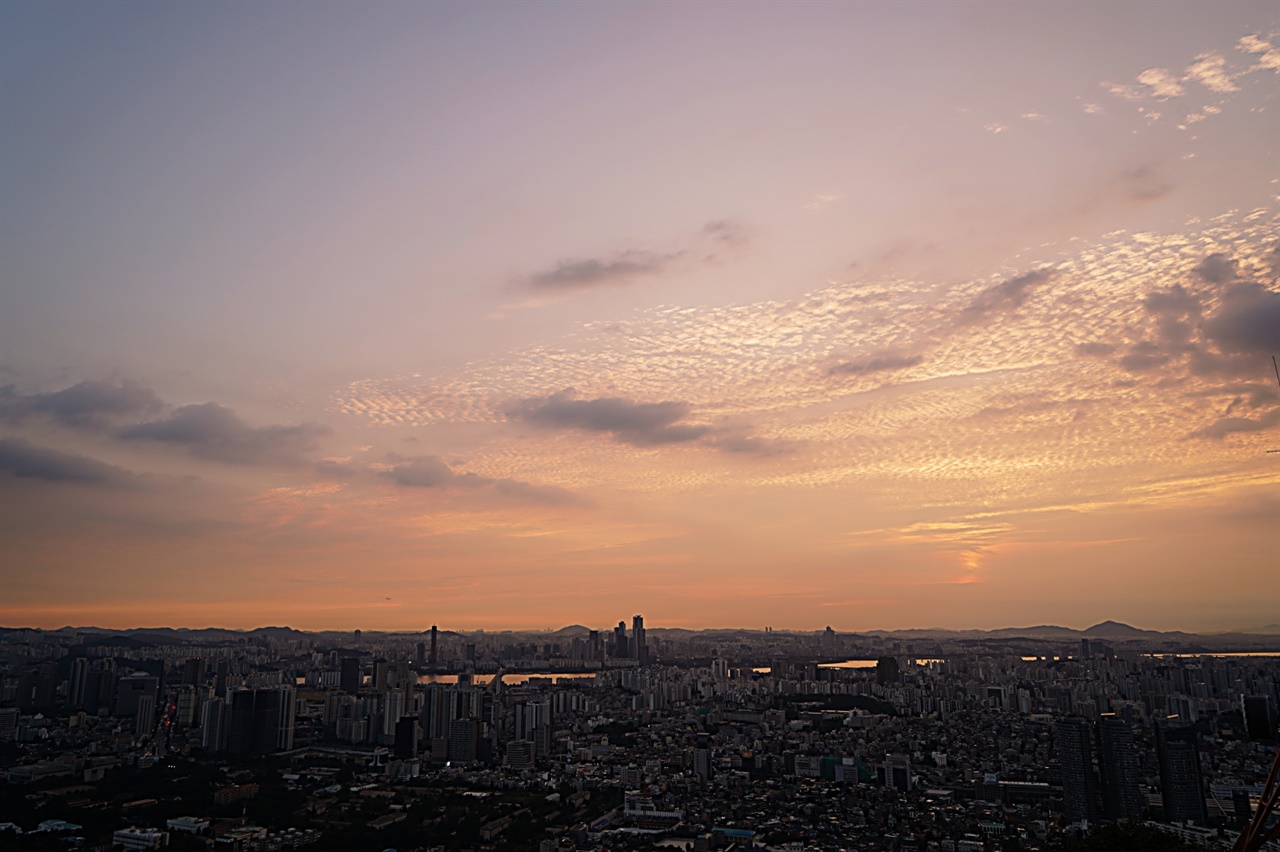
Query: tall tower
pixel 640 651
pixel 1121 798
pixel 620 641
pixel 434 656
pixel 1181 784
pixel 1075 757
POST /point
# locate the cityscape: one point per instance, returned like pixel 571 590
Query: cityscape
pixel 571 426
pixel 632 738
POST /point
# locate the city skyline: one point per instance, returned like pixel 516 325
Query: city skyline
pixel 877 316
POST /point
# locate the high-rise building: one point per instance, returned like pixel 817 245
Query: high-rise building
pixel 349 679
pixel 897 772
pixel 887 670
pixel 144 719
pixel 1121 797
pixel 464 737
pixel 130 689
pixel 1181 784
pixel 1259 717
pixel 702 765
pixel 79 681
pixel 261 720
pixel 193 671
pixel 214 723
pixel 1074 742
pixel 434 656
pixel 639 648
pixel 406 737
pixel 620 646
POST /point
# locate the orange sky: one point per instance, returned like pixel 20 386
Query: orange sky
pixel 860 315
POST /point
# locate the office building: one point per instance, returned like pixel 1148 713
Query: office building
pixel 1181 783
pixel 1074 742
pixel 1121 796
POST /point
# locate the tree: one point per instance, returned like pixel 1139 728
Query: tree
pixel 1124 837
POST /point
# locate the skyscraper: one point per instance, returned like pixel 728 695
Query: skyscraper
pixel 1181 784
pixel 1075 757
pixel 261 720
pixel 349 680
pixel 639 650
pixel 620 641
pixel 1121 797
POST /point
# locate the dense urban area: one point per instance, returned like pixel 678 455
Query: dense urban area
pixel 629 739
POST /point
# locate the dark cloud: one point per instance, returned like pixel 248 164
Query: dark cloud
pixel 28 461
pixel 725 231
pixel 1247 322
pixel 1175 311
pixel 1231 425
pixel 85 405
pixel 1005 296
pixel 1144 356
pixel 1095 349
pixel 593 272
pixel 641 424
pixel 215 432
pixel 752 445
pixel 878 363
pixel 1145 184
pixel 1176 301
pixel 1250 394
pixel 1216 269
pixel 432 472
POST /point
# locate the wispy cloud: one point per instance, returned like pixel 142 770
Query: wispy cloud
pixel 879 362
pixel 642 424
pixel 1008 295
pixel 432 472
pixel 215 432
pixel 586 273
pixel 89 404
pixel 27 461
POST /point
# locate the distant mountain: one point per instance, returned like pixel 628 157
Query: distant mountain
pixel 572 630
pixel 1040 631
pixel 1116 630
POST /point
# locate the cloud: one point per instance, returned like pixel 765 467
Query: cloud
pixel 641 424
pixel 1144 356
pixel 1162 83
pixel 1145 183
pixel 583 274
pixel 1216 268
pixel 742 443
pixel 85 405
pixel 1095 349
pixel 28 461
pixel 1253 44
pixel 1209 70
pixel 1173 308
pixel 725 231
pixel 1247 322
pixel 215 432
pixel 432 472
pixel 1232 425
pixel 1270 59
pixel 1005 296
pixel 877 363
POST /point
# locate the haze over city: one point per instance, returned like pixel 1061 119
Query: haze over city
pixel 868 315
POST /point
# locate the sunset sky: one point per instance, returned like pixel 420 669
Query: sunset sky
pixel 516 315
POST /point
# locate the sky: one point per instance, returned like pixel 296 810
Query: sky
pixel 869 315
